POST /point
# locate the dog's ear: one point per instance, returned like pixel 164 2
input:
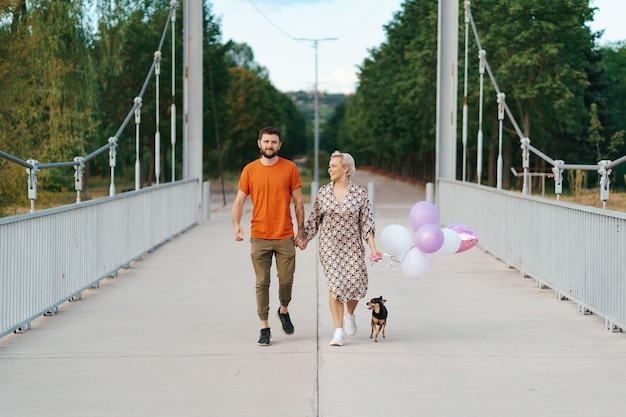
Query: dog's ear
pixel 383 301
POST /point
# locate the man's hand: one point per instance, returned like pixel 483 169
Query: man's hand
pixel 301 240
pixel 238 233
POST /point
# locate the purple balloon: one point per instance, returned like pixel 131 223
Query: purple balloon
pixel 429 238
pixel 469 238
pixel 423 213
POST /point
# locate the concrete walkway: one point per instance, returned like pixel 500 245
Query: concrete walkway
pixel 176 335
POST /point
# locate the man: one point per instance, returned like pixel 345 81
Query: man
pixel 272 183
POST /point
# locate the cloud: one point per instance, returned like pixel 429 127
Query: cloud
pixel 343 79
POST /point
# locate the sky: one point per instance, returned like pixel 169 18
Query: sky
pixel 345 30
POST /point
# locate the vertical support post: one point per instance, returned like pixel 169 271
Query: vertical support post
pixel 447 53
pixel 315 186
pixel 112 163
pixel 32 182
pixel 479 145
pixel 605 174
pixel 157 133
pixel 525 164
pixel 193 86
pixel 500 98
pixel 371 192
pixel 465 109
pixel 430 192
pixel 137 161
pixel 173 105
pixel 557 170
pixel 78 176
pixel 206 196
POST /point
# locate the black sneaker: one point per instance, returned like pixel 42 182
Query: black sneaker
pixel 286 322
pixel 266 335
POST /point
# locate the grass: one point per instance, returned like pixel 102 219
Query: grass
pixel 591 198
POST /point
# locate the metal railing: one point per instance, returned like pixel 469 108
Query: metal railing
pixel 33 166
pixel 52 256
pixel 604 167
pixel 577 251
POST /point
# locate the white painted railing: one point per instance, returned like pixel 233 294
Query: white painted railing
pixel 51 256
pixel 577 251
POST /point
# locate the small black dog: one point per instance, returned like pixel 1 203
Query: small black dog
pixel 379 316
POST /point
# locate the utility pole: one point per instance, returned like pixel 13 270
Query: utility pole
pixel 316 134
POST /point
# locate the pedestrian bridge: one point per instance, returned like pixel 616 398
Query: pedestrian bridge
pixel 136 305
pixel 132 305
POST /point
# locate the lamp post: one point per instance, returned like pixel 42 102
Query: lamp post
pixel 316 134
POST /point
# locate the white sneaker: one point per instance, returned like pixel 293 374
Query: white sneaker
pixel 349 323
pixel 338 338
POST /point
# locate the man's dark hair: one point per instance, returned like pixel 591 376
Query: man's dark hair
pixel 269 130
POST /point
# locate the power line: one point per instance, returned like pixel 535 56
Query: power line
pixel 278 28
pixel 364 20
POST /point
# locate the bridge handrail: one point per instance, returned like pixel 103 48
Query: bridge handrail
pixel 603 167
pixel 562 246
pixel 52 256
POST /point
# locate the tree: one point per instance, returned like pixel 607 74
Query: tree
pixel 540 56
pixel 49 99
pixel 253 103
pixel 612 100
pixel 128 37
pixel 390 120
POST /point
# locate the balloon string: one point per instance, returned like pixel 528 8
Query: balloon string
pixel 388 260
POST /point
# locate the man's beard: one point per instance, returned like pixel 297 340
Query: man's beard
pixel 269 154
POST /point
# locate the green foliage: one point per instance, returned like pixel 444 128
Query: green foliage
pixel 253 103
pixel 390 121
pixel 48 100
pixel 542 56
pixel 612 113
pixel 75 85
pixel 595 129
pixel 78 77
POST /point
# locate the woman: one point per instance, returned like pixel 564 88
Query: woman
pixel 343 215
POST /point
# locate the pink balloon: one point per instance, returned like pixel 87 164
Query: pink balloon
pixel 429 238
pixel 423 213
pixel 469 238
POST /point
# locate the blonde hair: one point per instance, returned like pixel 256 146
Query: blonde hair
pixel 346 161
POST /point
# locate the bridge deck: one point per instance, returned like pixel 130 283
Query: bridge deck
pixel 176 335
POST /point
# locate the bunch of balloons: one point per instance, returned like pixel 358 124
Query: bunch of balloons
pixel 411 250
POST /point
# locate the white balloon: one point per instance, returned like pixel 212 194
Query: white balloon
pixel 396 239
pixel 415 264
pixel 451 242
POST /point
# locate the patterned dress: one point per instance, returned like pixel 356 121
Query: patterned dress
pixel 342 231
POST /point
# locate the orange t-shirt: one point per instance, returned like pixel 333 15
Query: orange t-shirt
pixel 270 188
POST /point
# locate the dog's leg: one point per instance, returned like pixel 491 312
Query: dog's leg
pixel 373 327
pixel 383 328
pixel 377 332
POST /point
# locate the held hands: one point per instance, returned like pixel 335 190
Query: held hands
pixel 301 241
